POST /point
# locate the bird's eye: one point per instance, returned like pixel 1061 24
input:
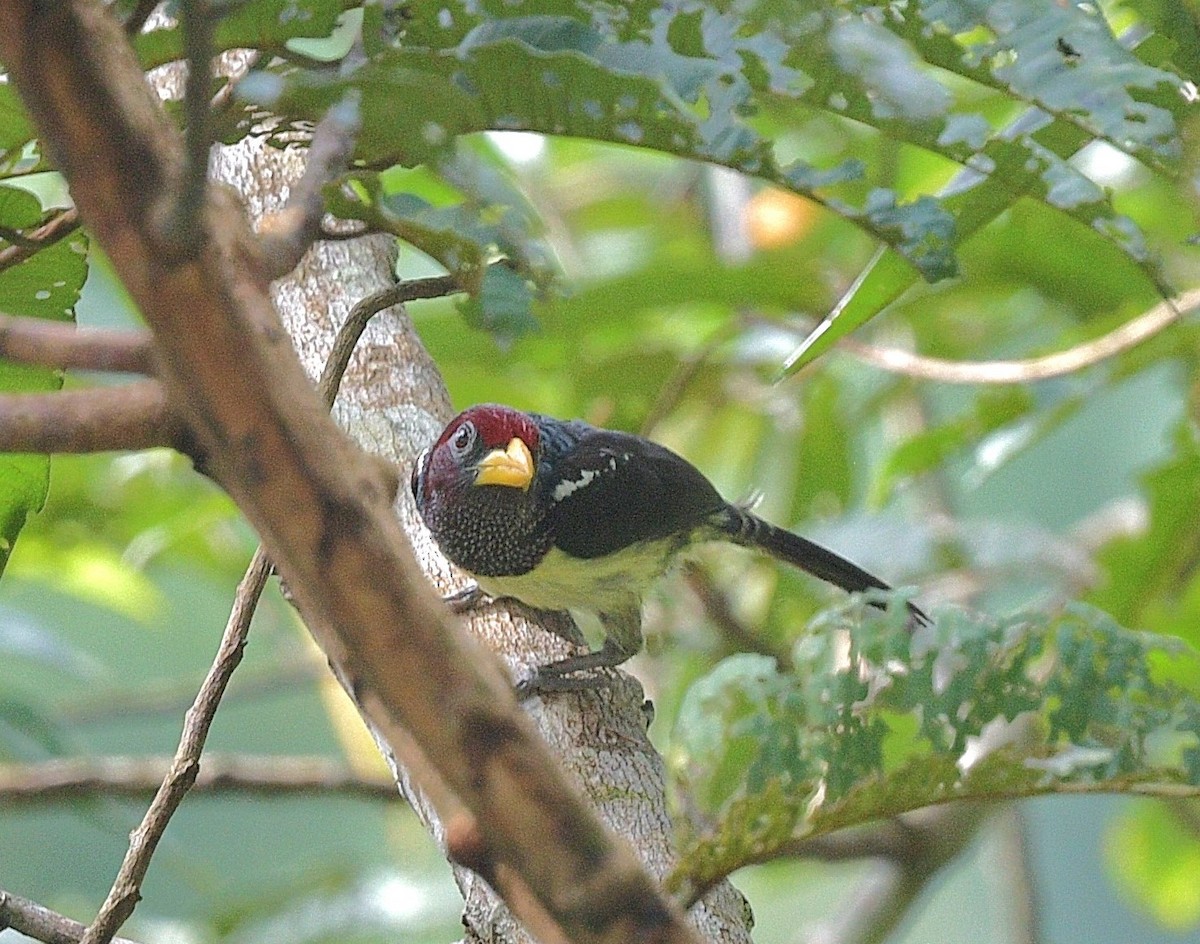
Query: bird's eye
pixel 463 439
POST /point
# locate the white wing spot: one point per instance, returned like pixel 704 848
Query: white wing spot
pixel 563 489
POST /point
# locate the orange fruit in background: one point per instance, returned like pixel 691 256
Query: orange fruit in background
pixel 776 218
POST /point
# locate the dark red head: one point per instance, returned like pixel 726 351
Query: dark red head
pixel 486 445
pixel 474 489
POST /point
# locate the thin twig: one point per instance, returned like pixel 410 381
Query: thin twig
pixel 1015 870
pixel 62 345
pixel 287 235
pixel 232 69
pixel 356 322
pixel 133 416
pixel 350 229
pixel 1121 339
pixel 919 846
pixel 61 779
pixel 40 923
pixel 17 238
pixel 322 506
pixel 59 226
pixel 889 839
pixel 126 889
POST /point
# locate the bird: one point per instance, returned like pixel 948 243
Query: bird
pixel 563 515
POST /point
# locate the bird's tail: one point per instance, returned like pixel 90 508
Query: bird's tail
pixel 747 529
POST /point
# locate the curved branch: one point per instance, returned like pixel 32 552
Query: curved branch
pixel 911 851
pixel 356 322
pixel 133 416
pixel 62 345
pixel 1117 341
pixel 185 231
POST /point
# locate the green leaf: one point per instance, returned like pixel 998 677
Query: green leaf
pixel 692 102
pixel 1003 708
pixel 46 285
pixel 262 24
pixel 19 209
pixel 503 306
pixel 16 131
pixel 1063 58
pixel 1028 157
pixel 825 475
pixel 483 247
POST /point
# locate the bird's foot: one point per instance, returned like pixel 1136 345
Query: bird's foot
pixel 538 684
pixel 564 674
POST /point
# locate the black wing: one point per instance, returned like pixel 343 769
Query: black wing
pixel 611 490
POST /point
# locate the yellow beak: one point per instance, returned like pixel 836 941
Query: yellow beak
pixel 512 466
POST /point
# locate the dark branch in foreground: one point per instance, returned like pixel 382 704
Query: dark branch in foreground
pixel 186 233
pixel 185 768
pixel 323 508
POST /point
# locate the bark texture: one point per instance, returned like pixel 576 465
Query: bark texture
pixel 393 402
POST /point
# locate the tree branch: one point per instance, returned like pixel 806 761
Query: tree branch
pixel 133 416
pixel 286 235
pixel 62 779
pixel 1014 865
pixel 63 345
pixel 185 231
pixel 323 508
pixel 185 767
pixel 360 315
pixel 1121 339
pixel 62 224
pixel 39 923
pixel 912 849
pixel 126 889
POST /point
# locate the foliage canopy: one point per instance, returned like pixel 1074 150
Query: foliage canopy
pixel 724 192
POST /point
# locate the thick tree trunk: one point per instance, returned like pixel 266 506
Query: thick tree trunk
pixel 393 401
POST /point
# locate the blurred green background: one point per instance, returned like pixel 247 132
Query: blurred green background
pixel 680 291
pixel 116 595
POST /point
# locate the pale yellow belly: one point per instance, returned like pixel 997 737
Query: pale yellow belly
pixel 602 585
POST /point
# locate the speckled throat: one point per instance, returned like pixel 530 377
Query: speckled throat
pixel 492 531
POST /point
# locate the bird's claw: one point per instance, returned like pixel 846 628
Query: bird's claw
pixel 564 674
pixel 466 599
pixel 537 682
